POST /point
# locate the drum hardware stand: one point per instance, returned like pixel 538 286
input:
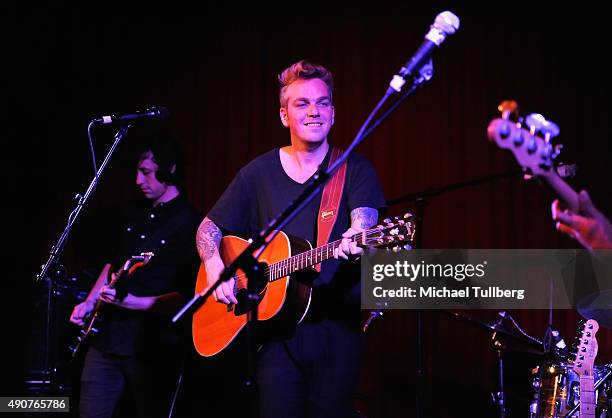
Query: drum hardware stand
pixel 499 397
pixel 421 199
pixel 550 334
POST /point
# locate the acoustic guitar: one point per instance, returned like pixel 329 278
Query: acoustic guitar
pixel 285 297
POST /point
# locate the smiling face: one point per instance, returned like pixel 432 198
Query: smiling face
pixel 308 111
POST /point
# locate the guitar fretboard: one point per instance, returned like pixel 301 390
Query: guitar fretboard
pixel 309 258
pixel 587 397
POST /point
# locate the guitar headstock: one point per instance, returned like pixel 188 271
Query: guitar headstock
pixel 137 261
pixel 587 349
pixel 392 234
pixel 529 138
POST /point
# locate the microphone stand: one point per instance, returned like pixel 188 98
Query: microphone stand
pixel 247 262
pixel 57 249
pixel 421 200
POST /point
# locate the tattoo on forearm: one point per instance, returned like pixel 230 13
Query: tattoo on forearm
pixel 208 239
pixel 364 218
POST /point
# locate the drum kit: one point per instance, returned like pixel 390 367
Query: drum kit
pixel 556 388
pixel 560 377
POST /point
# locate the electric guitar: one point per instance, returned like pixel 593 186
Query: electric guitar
pixel 89 328
pixel 532 148
pixel 583 366
pixel 285 298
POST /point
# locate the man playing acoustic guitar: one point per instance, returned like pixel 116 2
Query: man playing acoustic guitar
pixel 310 371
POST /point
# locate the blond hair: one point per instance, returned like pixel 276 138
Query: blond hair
pixel 303 70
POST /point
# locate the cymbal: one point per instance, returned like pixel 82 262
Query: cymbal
pixel 515 342
pixel 597 306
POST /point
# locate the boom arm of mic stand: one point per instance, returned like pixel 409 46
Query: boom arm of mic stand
pixel 436 191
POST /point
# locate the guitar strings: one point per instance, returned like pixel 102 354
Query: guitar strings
pixel 241 278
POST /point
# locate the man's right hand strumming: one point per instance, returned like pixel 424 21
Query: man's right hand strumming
pixel 225 292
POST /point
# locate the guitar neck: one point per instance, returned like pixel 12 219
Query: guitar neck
pixel 308 258
pixel 117 276
pixel 587 397
pixel 564 192
pixel 531 151
pixel 129 266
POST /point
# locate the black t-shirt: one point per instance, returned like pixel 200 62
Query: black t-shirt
pixel 262 190
pixel 173 268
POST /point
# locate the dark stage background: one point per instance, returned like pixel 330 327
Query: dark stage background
pixel 215 69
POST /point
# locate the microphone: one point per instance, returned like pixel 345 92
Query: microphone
pixel 446 23
pixel 154 112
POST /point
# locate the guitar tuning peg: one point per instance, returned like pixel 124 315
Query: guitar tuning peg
pixel 556 151
pixel 518 135
pixel 395 218
pixel 507 108
pixel 407 215
pixel 387 221
pixel 550 130
pixel 535 122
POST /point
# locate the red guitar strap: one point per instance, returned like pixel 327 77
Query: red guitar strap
pixel 330 201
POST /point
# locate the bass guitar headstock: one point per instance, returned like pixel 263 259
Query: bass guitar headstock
pixel 530 140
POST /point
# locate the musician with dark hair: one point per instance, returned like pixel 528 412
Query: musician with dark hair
pixel 136 346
